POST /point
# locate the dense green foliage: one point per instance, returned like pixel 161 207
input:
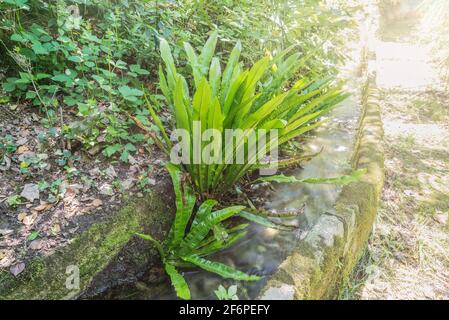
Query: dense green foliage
pixel 250 100
pixel 209 232
pixel 95 59
pixel 89 68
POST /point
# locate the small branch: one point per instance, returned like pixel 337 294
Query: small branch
pixel 149 132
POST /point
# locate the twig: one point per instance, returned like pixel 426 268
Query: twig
pixel 149 132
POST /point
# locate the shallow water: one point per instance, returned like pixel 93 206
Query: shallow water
pixel 263 250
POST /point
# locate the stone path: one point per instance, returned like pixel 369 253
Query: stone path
pixel 408 254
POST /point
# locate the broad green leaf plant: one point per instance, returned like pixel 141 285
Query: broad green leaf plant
pixel 260 97
pixel 188 244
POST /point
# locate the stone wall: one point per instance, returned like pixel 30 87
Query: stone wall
pixel 321 263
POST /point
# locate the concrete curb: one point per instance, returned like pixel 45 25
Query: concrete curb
pixel 323 260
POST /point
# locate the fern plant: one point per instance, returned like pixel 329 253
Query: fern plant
pixel 209 232
pixel 238 98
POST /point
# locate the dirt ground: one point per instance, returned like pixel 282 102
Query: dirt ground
pixel 408 254
pixel 50 191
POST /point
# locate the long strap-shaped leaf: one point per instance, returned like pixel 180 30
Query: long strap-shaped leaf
pixel 169 63
pixel 263 221
pixel 215 76
pixel 208 52
pixel 342 180
pixel 220 269
pixel 185 201
pixel 164 87
pixel 200 230
pixel 156 243
pixel 158 122
pixel 309 107
pixel 221 245
pixel 202 102
pixel 227 73
pixel 178 282
pixel 182 114
pixel 194 64
pixel 203 211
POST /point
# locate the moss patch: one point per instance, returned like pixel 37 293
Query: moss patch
pixel 90 252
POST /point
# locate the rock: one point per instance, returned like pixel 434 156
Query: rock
pixel 21 141
pixel 7 164
pixel 283 292
pixel 17 268
pixel 30 192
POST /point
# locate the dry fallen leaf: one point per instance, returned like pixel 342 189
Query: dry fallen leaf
pixel 5 232
pixel 17 268
pixel 442 218
pixel 96 203
pixel 43 206
pixel 21 216
pixel 55 229
pixel 3 254
pixel 22 149
pixel 28 220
